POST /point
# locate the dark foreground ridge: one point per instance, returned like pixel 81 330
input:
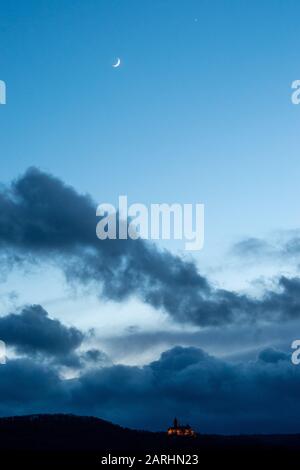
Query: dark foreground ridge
pixel 56 438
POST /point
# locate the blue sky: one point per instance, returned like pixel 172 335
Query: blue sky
pixel 199 111
pixel 202 108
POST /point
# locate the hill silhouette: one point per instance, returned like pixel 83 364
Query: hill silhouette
pixel 59 437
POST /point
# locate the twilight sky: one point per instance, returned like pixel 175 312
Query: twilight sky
pixel 199 111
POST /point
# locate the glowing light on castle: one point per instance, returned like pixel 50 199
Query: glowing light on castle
pixel 177 430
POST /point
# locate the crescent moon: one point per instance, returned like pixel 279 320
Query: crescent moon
pixel 117 64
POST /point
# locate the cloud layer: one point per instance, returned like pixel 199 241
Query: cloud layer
pixel 212 394
pixel 43 219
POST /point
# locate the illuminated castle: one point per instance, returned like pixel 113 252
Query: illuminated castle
pixel 177 430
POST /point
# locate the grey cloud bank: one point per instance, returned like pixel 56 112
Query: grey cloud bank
pixel 42 219
pixel 213 394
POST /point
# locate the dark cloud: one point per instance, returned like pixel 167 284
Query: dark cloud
pixel 94 355
pixel 95 358
pixel 212 394
pixel 43 219
pixel 284 304
pixel 273 356
pixel 28 386
pixel 32 331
